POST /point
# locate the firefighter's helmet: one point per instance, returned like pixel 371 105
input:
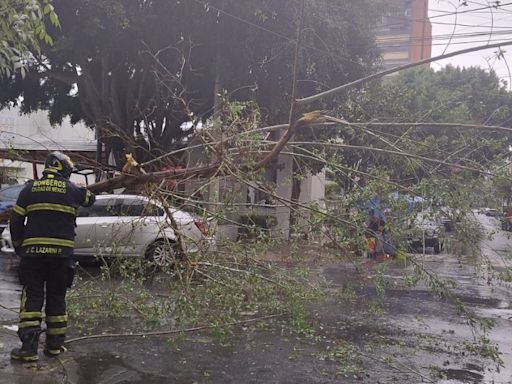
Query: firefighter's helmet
pixel 57 162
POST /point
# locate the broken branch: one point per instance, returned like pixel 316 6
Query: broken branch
pixel 171 332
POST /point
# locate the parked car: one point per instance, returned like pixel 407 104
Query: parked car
pixel 131 225
pixel 8 197
pixel 427 231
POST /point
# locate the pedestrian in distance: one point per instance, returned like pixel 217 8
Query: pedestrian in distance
pixel 374 234
pixel 43 231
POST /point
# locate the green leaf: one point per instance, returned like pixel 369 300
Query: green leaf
pixel 54 19
pixel 47 9
pixel 48 39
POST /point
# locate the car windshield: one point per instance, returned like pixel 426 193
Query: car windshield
pixel 426 219
pixel 11 193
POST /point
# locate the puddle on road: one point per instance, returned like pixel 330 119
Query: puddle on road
pixel 462 375
pixel 109 369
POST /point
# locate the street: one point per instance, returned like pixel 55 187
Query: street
pixel 418 337
pixel 482 293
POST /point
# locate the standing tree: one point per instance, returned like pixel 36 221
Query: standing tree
pixel 138 70
pixel 430 114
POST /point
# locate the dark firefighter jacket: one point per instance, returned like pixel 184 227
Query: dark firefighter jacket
pixel 49 206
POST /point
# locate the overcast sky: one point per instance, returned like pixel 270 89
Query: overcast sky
pixel 478 23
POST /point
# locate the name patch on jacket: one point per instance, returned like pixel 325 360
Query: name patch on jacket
pixel 49 185
pixel 43 250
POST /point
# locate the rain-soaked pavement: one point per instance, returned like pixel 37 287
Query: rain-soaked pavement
pixel 416 332
pixel 484 295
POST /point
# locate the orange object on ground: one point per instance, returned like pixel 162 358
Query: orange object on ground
pixel 372 244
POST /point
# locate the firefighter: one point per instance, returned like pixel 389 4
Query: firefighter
pixel 43 232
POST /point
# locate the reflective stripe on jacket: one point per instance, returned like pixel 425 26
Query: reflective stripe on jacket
pixel 43 219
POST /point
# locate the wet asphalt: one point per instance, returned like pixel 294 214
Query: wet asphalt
pixel 482 294
pixel 422 330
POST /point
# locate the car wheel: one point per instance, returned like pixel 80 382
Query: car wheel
pixel 163 253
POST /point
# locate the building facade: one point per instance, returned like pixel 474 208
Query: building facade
pixel 238 201
pixel 26 140
pixel 404 33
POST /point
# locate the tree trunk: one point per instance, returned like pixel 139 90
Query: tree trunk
pixel 99 152
pixel 296 189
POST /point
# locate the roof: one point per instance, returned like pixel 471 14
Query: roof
pixel 30 137
pixel 45 144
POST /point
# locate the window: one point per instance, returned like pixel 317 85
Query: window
pixel 121 207
pixel 153 210
pixel 131 208
pixel 139 208
pixel 101 208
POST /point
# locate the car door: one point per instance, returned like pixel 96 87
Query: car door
pixel 94 227
pixel 84 239
pixel 139 224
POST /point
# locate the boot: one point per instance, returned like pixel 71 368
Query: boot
pixel 54 345
pixel 54 351
pixel 28 350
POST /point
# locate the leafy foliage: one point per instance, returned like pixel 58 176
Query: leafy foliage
pixel 451 95
pixel 137 70
pixel 22 30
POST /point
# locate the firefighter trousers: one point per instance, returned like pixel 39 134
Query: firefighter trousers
pixel 45 281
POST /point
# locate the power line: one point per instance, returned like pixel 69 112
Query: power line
pixel 496 7
pixel 330 54
pixel 291 39
pixel 407 42
pixel 244 21
pixel 429 18
pixel 444 14
pixel 407 46
pixel 450 36
pixel 470 10
pixel 474 26
pixel 420 44
pixel 503 40
pixel 447 36
pixel 284 37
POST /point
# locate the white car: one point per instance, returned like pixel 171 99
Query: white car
pixel 132 225
pixel 427 230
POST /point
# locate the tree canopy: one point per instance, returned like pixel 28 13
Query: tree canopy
pixel 137 70
pixel 428 113
pixel 22 29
